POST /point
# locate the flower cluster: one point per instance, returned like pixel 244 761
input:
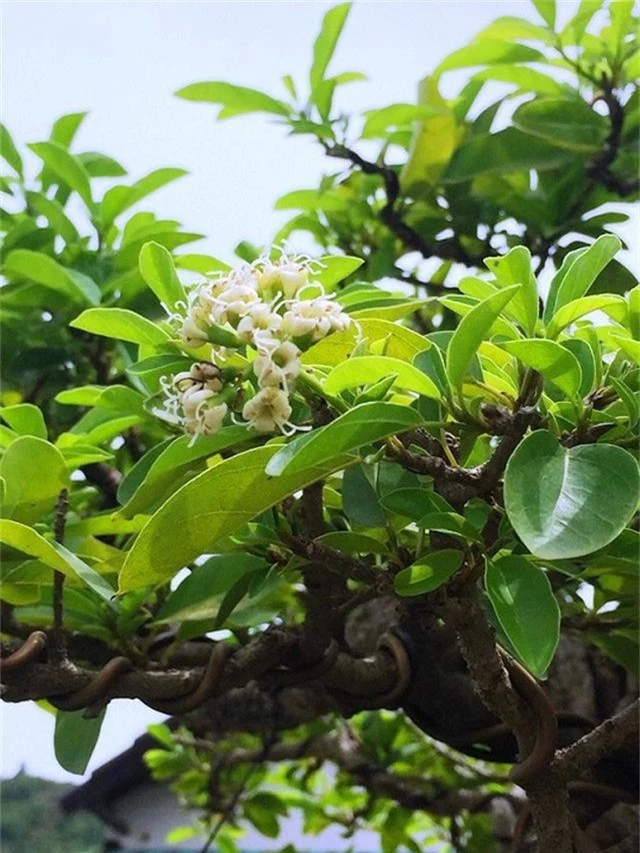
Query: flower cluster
pixel 270 312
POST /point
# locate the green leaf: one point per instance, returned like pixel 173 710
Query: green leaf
pixel 75 739
pixel 120 198
pixel 43 270
pixel 262 817
pixel 471 331
pixel 450 522
pixel 353 543
pixel 52 554
pixel 360 426
pixel 9 151
pixel 572 311
pixel 122 324
pixel 174 461
pixel 501 153
pixel 234 100
pixel 117 398
pixel 414 503
pixel 629 348
pixel 65 128
pixel 35 473
pixel 551 360
pixel 546 10
pixel 53 211
pixel 66 168
pixel 158 271
pixel 428 573
pixel 525 78
pixel 332 269
pixel 213 505
pixel 25 419
pixel 100 165
pixel 511 28
pixel 489 53
pixel 526 608
pixel 584 356
pixel 578 272
pixel 565 503
pixel 325 43
pixel 515 268
pixel 366 369
pixel 198 596
pixel 360 501
pixel 379 122
pixel 566 122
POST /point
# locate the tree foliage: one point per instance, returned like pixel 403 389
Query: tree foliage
pixel 399 470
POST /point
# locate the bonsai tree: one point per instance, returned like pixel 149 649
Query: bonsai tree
pixel 372 507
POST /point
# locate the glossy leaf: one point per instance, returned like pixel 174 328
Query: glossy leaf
pixel 565 503
pixel 526 608
pixel 578 272
pixel 172 462
pixel 213 505
pixel 572 311
pixel 360 426
pixel 364 370
pixel 450 522
pixel 360 501
pixel 198 596
pixel 325 44
pixel 122 324
pixel 158 271
pixel 515 268
pixel 428 573
pixel 332 269
pixel 551 360
pixel 43 270
pixel 489 53
pixel 9 151
pixel 234 100
pixel 568 123
pixel 121 198
pixel 52 554
pixel 66 167
pixel 500 153
pixel 35 473
pixel 25 419
pixel 471 331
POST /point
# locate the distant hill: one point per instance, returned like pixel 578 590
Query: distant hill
pixel 31 820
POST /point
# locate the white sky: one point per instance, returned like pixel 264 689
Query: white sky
pixel 122 61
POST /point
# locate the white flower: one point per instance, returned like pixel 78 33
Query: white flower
pixel 200 375
pixel 191 333
pixel 233 303
pixel 286 274
pixel 260 317
pixel 314 317
pixel 278 366
pixel 267 410
pixel 207 421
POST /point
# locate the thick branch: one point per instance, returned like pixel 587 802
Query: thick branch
pixel 599 170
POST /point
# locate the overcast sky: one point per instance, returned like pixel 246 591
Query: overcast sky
pixel 122 61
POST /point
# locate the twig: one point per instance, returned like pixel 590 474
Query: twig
pixel 59 644
pixel 572 762
pixel 450 249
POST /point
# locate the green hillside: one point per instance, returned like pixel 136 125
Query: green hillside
pixel 31 820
